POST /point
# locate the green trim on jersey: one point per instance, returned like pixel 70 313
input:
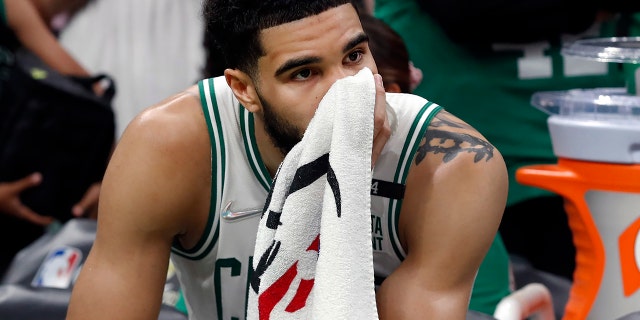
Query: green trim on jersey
pixel 251 147
pixel 416 132
pixel 218 166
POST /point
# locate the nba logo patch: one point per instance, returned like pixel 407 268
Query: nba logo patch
pixel 58 269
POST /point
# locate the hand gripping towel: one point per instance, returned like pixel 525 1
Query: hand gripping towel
pixel 313 254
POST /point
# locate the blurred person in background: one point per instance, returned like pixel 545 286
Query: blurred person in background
pixel 33 25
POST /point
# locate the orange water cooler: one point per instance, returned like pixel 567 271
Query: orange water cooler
pixel 596 136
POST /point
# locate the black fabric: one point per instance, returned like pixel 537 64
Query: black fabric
pixel 624 25
pixel 478 23
pixel 387 189
pixel 55 125
pixel 538 231
pixel 8 38
pixel 8 44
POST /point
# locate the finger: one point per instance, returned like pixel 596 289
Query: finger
pixel 381 127
pixel 77 210
pixel 26 213
pixel 29 181
pixel 378 144
pixel 379 112
pixel 88 201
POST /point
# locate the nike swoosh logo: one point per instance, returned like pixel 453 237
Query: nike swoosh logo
pixel 229 215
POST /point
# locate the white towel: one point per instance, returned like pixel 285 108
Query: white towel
pixel 313 255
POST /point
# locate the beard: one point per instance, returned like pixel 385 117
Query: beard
pixel 283 134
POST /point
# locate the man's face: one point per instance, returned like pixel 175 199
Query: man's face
pixel 302 60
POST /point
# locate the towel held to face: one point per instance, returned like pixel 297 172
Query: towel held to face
pixel 313 255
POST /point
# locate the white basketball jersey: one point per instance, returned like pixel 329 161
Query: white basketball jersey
pixel 215 274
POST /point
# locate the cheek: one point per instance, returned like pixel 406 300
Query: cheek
pixel 302 114
pixel 296 106
pixel 304 101
pixel 297 103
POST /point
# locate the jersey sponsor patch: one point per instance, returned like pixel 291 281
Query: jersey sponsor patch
pixel 59 268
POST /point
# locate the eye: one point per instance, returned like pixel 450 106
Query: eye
pixel 302 74
pixel 354 56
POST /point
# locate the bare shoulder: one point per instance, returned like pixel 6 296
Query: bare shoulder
pixel 452 149
pixel 449 137
pixel 173 127
pixel 456 175
pixel 161 165
pixel 171 137
pixel 169 120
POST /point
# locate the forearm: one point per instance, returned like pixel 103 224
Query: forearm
pixel 102 292
pixel 35 35
pixel 46 47
pixel 123 276
pixel 403 296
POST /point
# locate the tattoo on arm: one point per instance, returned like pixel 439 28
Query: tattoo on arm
pixel 436 140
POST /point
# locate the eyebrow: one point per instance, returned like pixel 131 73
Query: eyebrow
pixel 294 63
pixel 360 38
pixel 298 62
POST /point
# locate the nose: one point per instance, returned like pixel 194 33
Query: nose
pixel 341 72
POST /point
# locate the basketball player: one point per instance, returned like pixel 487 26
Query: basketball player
pixel 189 177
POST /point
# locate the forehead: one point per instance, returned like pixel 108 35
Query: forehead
pixel 319 36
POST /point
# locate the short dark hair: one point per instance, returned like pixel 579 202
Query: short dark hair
pixel 232 27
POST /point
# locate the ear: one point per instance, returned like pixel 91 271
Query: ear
pixel 243 88
pixel 393 87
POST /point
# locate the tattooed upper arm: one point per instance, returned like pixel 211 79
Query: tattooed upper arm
pixel 450 136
